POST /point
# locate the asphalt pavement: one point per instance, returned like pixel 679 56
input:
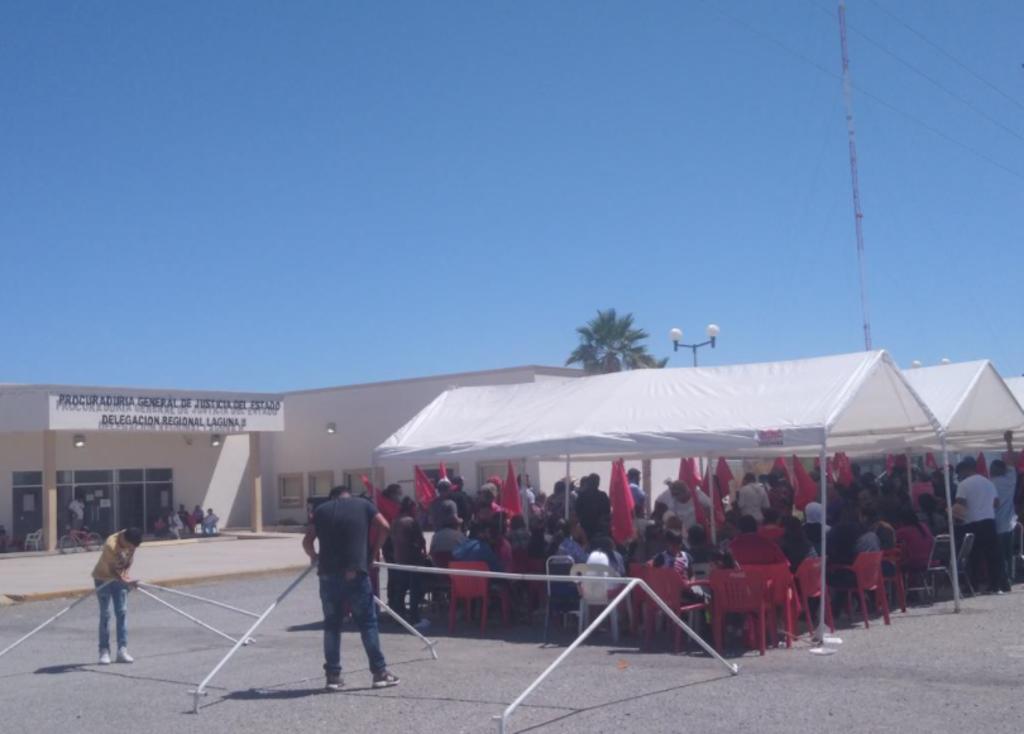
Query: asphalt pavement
pixel 931 671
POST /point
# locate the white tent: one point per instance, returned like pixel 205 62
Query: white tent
pixel 858 403
pixel 970 400
pixel 850 402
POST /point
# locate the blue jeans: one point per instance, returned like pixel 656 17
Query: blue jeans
pixel 117 593
pixel 336 594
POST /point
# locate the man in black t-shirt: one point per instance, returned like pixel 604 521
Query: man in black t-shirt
pixel 342 527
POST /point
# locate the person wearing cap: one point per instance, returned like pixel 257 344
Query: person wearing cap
pixel 978 499
pixel 443 505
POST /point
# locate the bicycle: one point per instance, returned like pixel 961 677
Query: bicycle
pixel 75 540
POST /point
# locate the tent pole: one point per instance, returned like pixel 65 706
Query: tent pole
pixel 526 510
pixel 821 649
pixel 954 570
pixel 711 495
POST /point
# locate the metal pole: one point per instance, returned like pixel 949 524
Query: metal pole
pixel 823 484
pixel 527 511
pixel 398 618
pixel 711 492
pixel 694 355
pixel 215 603
pixel 503 719
pixel 188 616
pixel 954 569
pixel 52 619
pixel 200 690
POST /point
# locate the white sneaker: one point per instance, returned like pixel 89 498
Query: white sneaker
pixel 123 656
pixel 104 657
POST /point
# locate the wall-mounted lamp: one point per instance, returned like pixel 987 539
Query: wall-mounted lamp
pixel 78 441
pixel 332 428
pixel 215 440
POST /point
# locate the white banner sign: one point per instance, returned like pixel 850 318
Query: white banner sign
pixel 175 413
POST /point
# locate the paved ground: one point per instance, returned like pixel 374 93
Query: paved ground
pixel 930 671
pixel 35 576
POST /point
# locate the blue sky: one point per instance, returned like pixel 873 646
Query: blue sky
pixel 268 196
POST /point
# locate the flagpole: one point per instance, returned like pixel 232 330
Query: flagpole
pixel 568 484
pixel 954 568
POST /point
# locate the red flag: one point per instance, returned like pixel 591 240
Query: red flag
pixel 829 469
pixel 929 462
pixel 622 504
pixel 442 472
pixel 780 466
pixel 425 492
pixel 982 465
pixel 890 463
pixel 510 500
pixel 806 489
pixel 689 476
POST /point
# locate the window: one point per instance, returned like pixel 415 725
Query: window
pixel 320 483
pixel 353 479
pixel 289 490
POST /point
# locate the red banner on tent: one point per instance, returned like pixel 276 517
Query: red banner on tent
pixel 510 500
pixel 425 492
pixel 844 471
pixel 780 467
pixel 806 490
pixel 622 504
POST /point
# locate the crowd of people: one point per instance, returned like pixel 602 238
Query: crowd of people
pixel 184 523
pixel 901 512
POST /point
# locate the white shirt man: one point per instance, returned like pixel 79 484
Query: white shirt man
pixel 979 496
pixel 673 499
pixel 752 499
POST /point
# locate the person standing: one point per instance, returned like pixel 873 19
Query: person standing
pixel 77 512
pixel 639 498
pixel 1004 477
pixel 678 500
pixel 342 528
pixel 752 498
pixel 110 576
pixel 593 508
pixel 979 499
pixel 410 550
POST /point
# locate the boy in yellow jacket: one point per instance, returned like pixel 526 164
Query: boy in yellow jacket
pixel 111 573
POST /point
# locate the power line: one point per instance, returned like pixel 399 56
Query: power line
pixel 924 75
pixel 903 113
pixel 948 55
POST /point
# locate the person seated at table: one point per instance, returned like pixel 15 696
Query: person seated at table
pixel 771 529
pixel 699 547
pixel 850 537
pixel 649 544
pixel 450 534
pixel 186 518
pixel 794 543
pixel 518 535
pixel 814 524
pixel 477 547
pixel 159 526
pixel 750 549
pixel 674 556
pixel 606 546
pixel 571 541
pixel 916 540
pixel 884 531
pixel 174 524
pixel 932 514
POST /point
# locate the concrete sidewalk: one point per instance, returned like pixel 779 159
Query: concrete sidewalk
pixel 33 577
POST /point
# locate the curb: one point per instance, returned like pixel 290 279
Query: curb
pixel 179 581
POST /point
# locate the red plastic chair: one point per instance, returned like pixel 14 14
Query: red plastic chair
pixel 808 582
pixel 738 592
pixel 895 556
pixel 669 586
pixel 470 588
pixel 779 579
pixel 867 568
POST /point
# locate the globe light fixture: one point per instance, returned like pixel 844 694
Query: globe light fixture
pixel 915 364
pixel 676 335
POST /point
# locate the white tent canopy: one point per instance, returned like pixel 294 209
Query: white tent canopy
pixel 970 400
pixel 851 402
pixel 1016 385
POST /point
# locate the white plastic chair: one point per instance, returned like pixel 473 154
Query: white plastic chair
pixel 595 594
pixel 34 541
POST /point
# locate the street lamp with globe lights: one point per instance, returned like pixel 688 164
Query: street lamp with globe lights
pixel 676 335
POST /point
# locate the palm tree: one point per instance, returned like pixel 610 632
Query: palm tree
pixel 609 343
